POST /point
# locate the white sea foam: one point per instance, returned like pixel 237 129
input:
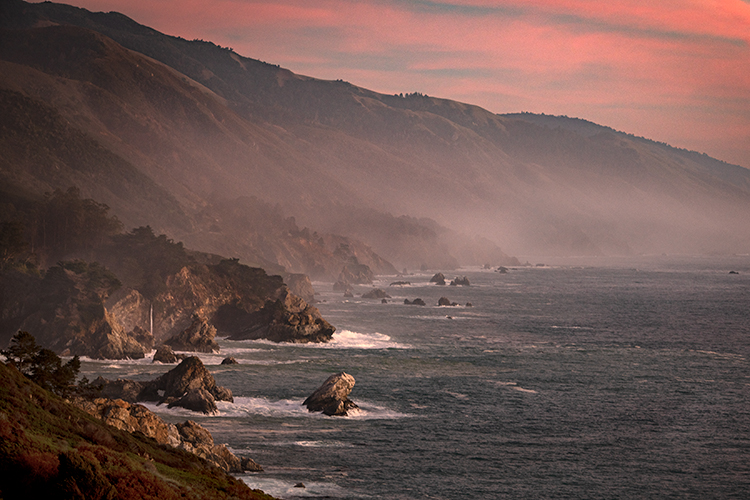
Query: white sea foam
pixel 347 339
pixel 283 488
pixel 515 387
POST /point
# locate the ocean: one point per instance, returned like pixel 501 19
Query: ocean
pixel 598 378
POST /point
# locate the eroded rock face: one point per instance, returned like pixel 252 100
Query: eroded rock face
pixel 332 398
pixel 198 337
pixel 188 436
pixel 287 319
pixel 131 418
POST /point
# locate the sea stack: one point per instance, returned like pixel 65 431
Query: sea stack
pixel 332 398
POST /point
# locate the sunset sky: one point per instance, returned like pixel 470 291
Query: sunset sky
pixel 676 71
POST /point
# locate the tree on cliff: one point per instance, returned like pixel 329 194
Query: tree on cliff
pixel 41 365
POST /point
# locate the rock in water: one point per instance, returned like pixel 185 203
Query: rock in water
pixel 190 385
pixel 332 398
pixel 376 293
pixel 439 279
pixel 165 354
pixel 287 319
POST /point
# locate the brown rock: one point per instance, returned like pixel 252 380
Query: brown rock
pixel 332 398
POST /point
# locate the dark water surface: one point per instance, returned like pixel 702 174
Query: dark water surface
pixel 626 379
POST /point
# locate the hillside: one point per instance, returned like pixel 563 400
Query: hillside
pixel 181 130
pixel 50 449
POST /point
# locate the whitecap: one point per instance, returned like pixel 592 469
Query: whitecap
pixel 283 488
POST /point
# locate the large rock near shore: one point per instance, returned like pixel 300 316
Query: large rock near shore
pixel 287 319
pixel 332 398
pixel 188 385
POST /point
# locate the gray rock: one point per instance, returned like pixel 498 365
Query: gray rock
pixel 415 302
pixel 229 361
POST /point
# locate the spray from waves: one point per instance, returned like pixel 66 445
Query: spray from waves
pixel 347 339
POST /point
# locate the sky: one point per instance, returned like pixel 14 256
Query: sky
pixel 676 71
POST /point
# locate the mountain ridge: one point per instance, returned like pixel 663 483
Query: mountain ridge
pixel 531 183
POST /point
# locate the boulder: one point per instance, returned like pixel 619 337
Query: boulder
pixel 199 400
pixel 332 398
pixel 502 270
pixel 198 337
pixel 445 301
pixel 229 361
pixel 415 302
pixel 400 283
pixel 376 293
pixel 462 281
pixel 438 279
pixel 165 354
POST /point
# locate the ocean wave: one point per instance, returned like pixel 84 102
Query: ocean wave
pixel 283 488
pixel 347 339
pixel 515 387
pixel 342 339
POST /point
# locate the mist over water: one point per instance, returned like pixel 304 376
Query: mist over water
pixel 624 378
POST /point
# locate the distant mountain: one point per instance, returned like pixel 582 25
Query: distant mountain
pixel 177 133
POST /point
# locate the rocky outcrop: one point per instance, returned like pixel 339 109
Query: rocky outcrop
pixel 332 398
pixel 165 354
pixel 460 281
pixel 189 385
pixel 438 279
pixel 198 337
pixel 415 302
pixel 188 436
pixel 131 418
pixel 287 319
pixel 229 361
pixel 376 293
pixel 445 301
